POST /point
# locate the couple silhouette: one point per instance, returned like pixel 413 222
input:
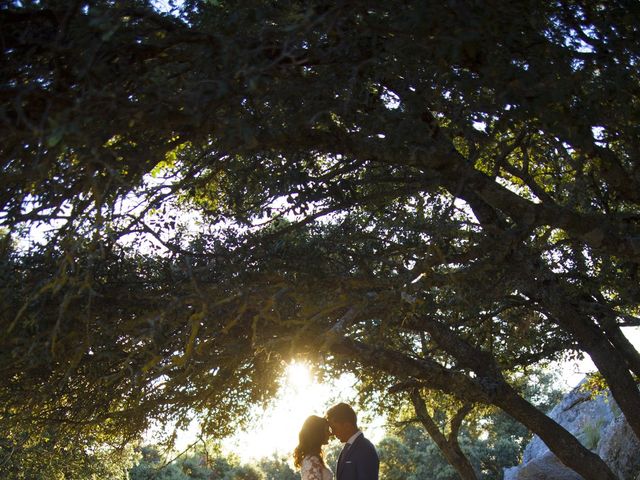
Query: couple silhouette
pixel 358 459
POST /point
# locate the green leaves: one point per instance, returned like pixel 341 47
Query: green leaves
pixel 231 182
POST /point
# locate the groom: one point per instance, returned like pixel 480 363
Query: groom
pixel 358 459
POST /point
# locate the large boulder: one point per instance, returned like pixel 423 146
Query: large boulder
pixel 620 448
pixel 599 425
pixel 544 467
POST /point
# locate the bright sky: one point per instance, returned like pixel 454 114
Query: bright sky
pixel 300 396
pixel 276 429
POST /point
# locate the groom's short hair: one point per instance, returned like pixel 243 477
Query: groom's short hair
pixel 342 413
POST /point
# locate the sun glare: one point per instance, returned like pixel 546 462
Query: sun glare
pixel 298 375
pixel 276 427
pixel 300 395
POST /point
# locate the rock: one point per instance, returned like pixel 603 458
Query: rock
pixel 620 449
pixel 578 414
pixel 599 425
pixel 510 473
pixel 545 467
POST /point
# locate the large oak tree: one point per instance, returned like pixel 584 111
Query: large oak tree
pixel 443 193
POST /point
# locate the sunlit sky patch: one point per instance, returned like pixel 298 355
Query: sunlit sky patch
pixel 276 428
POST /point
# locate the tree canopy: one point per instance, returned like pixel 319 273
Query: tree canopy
pixel 436 194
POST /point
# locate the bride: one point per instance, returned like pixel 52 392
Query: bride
pixel 308 455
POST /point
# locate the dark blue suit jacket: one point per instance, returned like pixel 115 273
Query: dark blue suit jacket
pixel 360 462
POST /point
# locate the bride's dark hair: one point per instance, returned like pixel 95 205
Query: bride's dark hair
pixel 310 439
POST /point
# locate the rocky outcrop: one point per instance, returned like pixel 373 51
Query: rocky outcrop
pixel 599 425
pixel 546 466
pixel 620 448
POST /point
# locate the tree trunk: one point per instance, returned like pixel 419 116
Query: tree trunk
pixel 563 445
pixel 489 390
pixel 450 448
pixel 611 363
pixel 624 389
pixel 613 356
pixel 621 342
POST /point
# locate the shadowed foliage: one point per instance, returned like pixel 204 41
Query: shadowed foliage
pixel 440 193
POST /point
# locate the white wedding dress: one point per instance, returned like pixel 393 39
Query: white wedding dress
pixel 312 469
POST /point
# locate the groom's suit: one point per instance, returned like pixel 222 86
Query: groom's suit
pixel 360 461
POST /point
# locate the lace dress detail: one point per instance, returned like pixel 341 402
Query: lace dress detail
pixel 312 469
